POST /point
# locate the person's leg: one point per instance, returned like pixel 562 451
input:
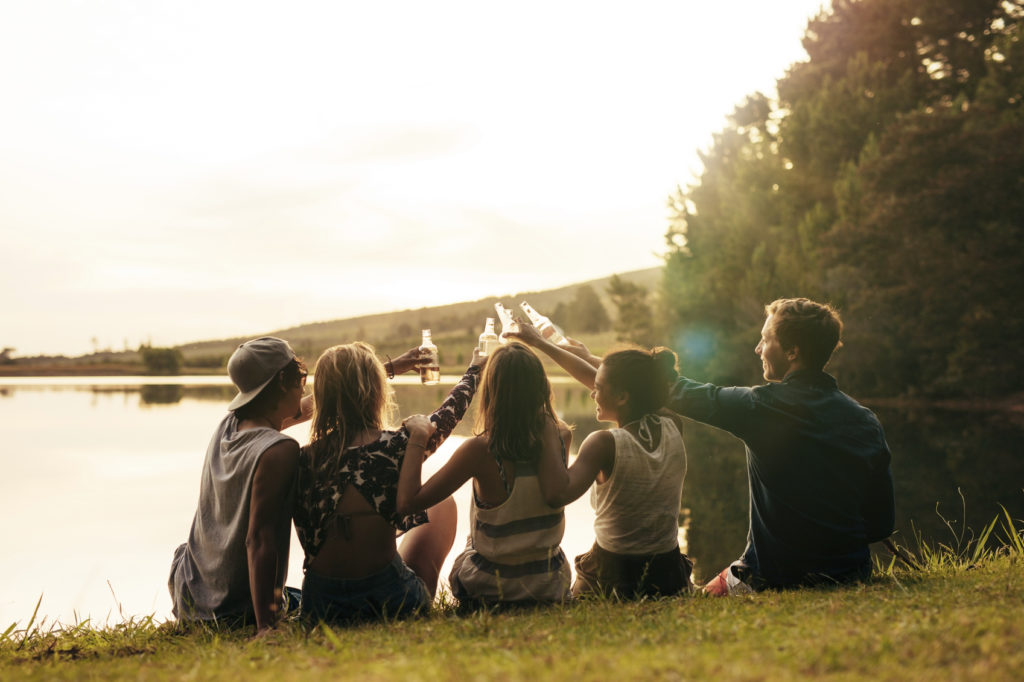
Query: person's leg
pixel 425 547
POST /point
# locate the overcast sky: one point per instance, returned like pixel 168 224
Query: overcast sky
pixel 175 171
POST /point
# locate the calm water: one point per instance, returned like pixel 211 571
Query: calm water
pixel 102 477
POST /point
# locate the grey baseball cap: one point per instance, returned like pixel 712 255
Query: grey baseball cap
pixel 254 364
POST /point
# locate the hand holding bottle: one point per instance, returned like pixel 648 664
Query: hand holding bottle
pixel 407 361
pixel 528 334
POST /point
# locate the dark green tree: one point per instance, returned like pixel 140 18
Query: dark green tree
pixel 885 173
pixel 585 313
pixel 161 360
pixel 635 322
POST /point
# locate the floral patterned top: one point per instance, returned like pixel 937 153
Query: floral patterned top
pixel 372 469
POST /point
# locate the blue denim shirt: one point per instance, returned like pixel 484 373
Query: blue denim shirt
pixel 821 486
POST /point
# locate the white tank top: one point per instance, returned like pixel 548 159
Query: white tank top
pixel 637 508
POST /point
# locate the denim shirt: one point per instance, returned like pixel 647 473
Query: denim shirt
pixel 821 486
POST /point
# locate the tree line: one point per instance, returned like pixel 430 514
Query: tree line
pixel 886 176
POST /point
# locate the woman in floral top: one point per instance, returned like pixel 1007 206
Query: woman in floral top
pixel 345 506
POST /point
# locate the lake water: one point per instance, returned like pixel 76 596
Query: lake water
pixel 102 474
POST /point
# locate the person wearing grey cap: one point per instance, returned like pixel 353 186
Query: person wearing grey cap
pixel 233 566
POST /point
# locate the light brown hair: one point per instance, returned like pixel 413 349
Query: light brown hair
pixel 814 328
pixel 515 403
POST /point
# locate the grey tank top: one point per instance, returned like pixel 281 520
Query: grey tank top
pixel 210 573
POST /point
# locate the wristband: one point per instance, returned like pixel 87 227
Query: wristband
pixel 389 367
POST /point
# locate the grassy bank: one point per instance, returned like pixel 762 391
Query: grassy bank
pixel 961 617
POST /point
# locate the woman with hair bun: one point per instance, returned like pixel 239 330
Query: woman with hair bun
pixel 638 468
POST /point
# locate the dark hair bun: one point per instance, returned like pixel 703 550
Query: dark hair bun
pixel 665 361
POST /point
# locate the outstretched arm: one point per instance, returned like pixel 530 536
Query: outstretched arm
pixel 413 494
pixel 454 407
pixel 579 368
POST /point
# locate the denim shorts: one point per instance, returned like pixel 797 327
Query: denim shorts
pixel 393 592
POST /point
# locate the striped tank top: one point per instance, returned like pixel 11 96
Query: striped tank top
pixel 513 552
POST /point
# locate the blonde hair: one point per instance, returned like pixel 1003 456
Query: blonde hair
pixel 350 395
pixel 515 403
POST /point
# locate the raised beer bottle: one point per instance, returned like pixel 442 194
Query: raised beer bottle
pixel 508 323
pixel 488 340
pixel 430 369
pixel 545 326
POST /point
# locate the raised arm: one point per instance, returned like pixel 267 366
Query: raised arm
pixel 725 407
pixel 447 416
pixel 414 495
pixel 596 458
pixel 552 474
pixel 578 367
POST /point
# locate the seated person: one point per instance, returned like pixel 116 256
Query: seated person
pixel 234 564
pixel 517 464
pixel 345 513
pixel 638 469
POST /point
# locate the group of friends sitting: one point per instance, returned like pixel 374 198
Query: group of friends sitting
pixel 821 487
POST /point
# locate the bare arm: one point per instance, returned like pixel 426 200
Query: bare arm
pixel 579 368
pixel 596 459
pixel 304 415
pixel 577 348
pixel 268 507
pixel 413 494
pixel 406 361
pixel 552 474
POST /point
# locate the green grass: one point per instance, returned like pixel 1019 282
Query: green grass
pixel 961 617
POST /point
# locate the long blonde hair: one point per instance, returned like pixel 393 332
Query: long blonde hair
pixel 515 403
pixel 350 395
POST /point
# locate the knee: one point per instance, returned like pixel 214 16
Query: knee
pixel 445 514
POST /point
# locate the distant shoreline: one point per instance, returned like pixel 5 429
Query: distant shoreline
pixel 1014 403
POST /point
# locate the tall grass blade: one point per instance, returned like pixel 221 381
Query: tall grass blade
pixel 331 637
pixel 30 621
pixel 1015 537
pixel 8 631
pixel 979 550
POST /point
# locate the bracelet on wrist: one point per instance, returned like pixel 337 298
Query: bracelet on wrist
pixel 389 367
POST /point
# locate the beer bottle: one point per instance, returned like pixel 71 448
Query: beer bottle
pixel 430 370
pixel 544 325
pixel 508 323
pixel 488 340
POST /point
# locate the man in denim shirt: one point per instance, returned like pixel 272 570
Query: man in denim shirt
pixel 821 488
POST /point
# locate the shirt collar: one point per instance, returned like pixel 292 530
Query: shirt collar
pixel 814 377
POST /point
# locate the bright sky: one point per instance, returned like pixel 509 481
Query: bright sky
pixel 176 171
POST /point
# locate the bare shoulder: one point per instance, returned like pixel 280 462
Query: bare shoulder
pixel 473 450
pixel 280 457
pixel 600 440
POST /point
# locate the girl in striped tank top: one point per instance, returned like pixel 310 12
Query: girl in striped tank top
pixel 518 466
